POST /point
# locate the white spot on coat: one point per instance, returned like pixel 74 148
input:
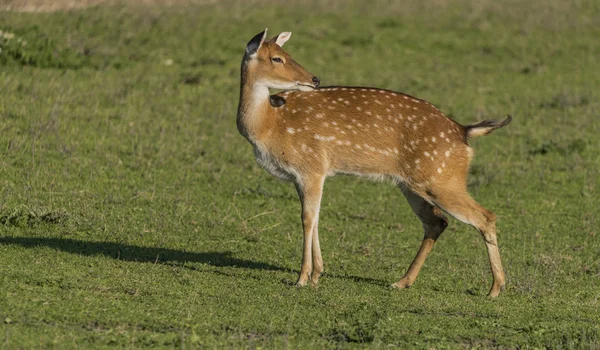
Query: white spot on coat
pixel 324 138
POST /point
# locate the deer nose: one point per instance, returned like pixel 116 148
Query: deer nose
pixel 316 81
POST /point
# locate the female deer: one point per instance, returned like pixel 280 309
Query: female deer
pixel 307 135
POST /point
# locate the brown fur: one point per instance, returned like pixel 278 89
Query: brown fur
pixel 368 132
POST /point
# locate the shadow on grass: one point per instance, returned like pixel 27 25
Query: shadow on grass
pixel 127 252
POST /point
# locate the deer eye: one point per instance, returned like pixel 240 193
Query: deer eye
pixel 277 60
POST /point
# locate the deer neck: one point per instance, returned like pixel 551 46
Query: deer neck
pixel 254 109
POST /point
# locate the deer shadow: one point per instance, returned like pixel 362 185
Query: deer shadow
pixel 140 254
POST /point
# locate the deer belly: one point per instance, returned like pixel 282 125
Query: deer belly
pixel 272 165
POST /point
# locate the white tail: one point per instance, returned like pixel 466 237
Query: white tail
pixel 305 136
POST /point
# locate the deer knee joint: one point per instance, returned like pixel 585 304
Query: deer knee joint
pixel 489 237
pixel 307 218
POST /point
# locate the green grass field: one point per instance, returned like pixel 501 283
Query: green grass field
pixel 133 214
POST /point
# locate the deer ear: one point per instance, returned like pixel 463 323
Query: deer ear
pixel 256 43
pixel 282 38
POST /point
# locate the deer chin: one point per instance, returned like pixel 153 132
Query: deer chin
pixel 305 87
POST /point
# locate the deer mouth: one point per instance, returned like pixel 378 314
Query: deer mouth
pixel 305 86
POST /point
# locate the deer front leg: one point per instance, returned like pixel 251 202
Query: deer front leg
pixel 316 254
pixel 310 191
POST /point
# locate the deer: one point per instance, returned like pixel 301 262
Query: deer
pixel 306 133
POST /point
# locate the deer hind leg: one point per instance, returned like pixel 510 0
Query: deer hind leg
pixel 464 208
pixel 434 223
pixel 310 191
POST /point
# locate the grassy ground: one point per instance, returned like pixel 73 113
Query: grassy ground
pixel 133 214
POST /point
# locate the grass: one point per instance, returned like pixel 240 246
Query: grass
pixel 133 214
